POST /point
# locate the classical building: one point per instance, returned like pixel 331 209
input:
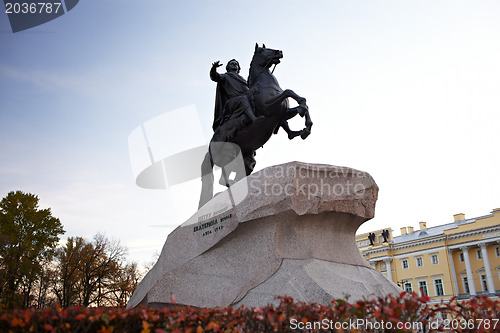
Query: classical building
pixel 461 258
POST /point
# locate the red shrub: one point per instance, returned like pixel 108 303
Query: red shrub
pixel 405 313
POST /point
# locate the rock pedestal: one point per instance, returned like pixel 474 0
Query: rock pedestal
pixel 285 230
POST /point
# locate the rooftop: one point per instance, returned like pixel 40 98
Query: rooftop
pixel 433 231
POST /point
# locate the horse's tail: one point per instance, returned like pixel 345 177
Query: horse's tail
pixel 207 179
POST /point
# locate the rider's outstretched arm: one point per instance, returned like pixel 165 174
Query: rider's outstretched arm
pixel 213 72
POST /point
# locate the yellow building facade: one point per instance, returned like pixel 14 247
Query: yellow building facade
pixel 461 258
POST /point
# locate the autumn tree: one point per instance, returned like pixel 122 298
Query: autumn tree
pixel 69 259
pixel 28 238
pixel 94 273
pixel 125 284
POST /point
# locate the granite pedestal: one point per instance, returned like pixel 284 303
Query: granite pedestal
pixel 285 230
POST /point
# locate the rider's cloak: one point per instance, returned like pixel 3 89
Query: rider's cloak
pixel 229 85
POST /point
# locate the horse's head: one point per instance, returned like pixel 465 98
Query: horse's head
pixel 264 57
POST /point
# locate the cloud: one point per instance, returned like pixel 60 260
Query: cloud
pixel 111 82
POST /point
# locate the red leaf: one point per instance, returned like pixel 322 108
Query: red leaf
pixel 17 322
pixel 425 299
pixel 212 326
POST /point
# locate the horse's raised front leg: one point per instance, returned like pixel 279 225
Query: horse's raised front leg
pixel 289 94
pixel 302 110
pixel 307 130
pixel 286 127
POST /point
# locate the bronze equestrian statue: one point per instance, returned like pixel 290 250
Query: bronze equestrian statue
pixel 248 118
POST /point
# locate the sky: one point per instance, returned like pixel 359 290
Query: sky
pixel 405 90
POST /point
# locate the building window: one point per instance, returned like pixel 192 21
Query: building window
pixel 363 243
pixel 484 284
pixel 434 259
pixel 383 266
pixel 404 263
pixel 407 286
pixel 479 254
pixel 422 287
pixel 420 261
pixel 438 287
pixel 466 284
pixel 497 251
pixel 461 256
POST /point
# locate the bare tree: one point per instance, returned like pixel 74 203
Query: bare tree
pixel 94 273
pixel 42 289
pixel 68 270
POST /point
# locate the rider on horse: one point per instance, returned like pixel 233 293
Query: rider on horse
pixel 233 99
pixel 238 132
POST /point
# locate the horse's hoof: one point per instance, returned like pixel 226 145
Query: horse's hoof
pixel 305 133
pixel 303 109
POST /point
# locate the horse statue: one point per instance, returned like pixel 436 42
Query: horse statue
pixel 272 109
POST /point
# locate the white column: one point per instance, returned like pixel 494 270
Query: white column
pixel 388 268
pixel 487 268
pixel 453 273
pixel 468 268
pixel 373 263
